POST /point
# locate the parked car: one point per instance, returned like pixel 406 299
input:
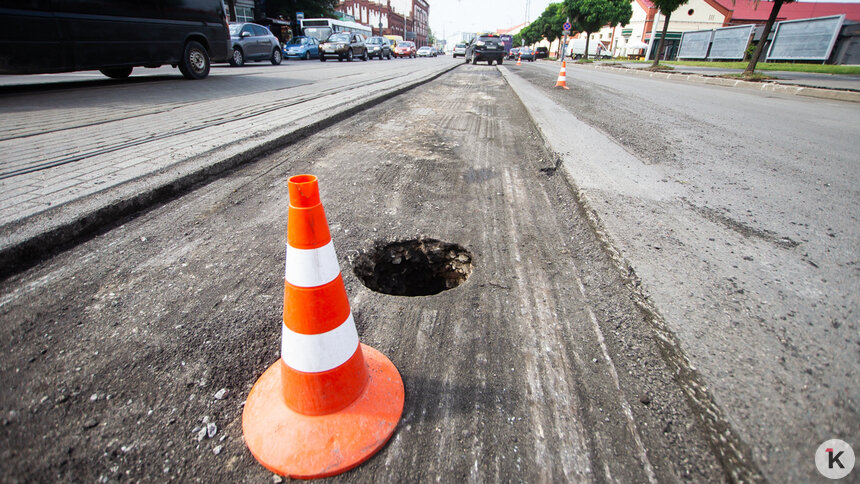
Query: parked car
pixel 302 47
pixel 405 48
pixel 344 45
pixel 378 47
pixel 253 42
pixel 526 53
pixel 485 47
pixel 512 54
pixel 426 51
pixel 541 53
pixel 114 36
pixel 459 50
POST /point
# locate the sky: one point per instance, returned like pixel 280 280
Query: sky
pixel 451 16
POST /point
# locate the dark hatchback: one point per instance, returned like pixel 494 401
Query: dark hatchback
pixel 485 47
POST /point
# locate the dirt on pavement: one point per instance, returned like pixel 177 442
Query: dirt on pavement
pixel 540 366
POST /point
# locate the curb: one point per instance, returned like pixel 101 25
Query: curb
pixel 28 241
pixel 815 92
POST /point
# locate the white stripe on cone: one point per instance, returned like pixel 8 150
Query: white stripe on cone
pixel 311 267
pixel 313 353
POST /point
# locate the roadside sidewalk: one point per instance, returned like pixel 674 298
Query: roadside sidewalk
pixel 823 86
pixel 43 209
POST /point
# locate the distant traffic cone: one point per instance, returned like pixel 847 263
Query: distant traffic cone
pixel 562 76
pixel 519 58
pixel 329 403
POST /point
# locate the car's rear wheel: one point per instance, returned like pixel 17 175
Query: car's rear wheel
pixel 195 61
pixel 500 62
pixel 238 58
pixel 364 56
pixel 322 58
pixel 349 55
pixel 277 57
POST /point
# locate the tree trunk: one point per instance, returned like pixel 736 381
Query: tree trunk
pixel 231 10
pixel 662 38
pixel 587 40
pixel 777 4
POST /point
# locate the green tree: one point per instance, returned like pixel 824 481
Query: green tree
pixel 288 8
pixel 777 4
pixel 589 16
pixel 666 7
pixel 548 25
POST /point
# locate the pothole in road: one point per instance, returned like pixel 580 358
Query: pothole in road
pixel 419 267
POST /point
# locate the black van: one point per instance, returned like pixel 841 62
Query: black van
pixel 113 36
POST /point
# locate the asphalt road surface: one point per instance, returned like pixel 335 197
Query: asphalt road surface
pixel 738 212
pixel 540 366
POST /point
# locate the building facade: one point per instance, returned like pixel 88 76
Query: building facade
pixel 385 20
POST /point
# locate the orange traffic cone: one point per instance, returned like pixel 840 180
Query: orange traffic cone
pixel 519 58
pixel 562 76
pixel 329 403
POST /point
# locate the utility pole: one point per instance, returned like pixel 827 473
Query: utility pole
pixel 653 34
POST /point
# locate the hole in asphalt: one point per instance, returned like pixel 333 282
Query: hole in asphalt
pixel 420 267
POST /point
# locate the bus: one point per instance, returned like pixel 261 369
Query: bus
pixel 112 36
pixel 321 28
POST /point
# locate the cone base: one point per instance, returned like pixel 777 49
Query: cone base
pixel 297 445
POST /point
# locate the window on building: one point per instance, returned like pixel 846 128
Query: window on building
pixel 244 14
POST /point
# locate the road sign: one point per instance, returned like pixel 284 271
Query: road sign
pixel 566 26
pixel 300 15
pixel 566 32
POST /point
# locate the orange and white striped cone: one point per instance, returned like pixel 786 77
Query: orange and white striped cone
pixel 329 403
pixel 519 58
pixel 562 76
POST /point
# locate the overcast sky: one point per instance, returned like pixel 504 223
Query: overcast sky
pixel 451 16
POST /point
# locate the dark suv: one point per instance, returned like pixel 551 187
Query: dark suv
pixel 485 47
pixel 378 47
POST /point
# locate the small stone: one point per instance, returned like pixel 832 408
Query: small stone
pixel 645 399
pixel 205 420
pixel 211 429
pixel 62 399
pixel 201 434
pixel 277 479
pixel 90 423
pixel 220 394
pixel 94 397
pixel 217 450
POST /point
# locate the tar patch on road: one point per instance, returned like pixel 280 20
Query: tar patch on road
pixel 538 366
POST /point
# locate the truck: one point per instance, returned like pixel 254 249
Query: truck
pixel 596 49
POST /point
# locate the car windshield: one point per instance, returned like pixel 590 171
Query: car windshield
pixel 461 46
pixel 424 48
pixel 338 38
pixel 408 44
pixel 299 41
pixel 489 38
pixel 374 40
pixel 235 28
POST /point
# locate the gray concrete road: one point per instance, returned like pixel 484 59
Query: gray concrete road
pixel 539 367
pixel 737 213
pixel 78 149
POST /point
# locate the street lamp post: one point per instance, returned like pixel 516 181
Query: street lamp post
pixel 380 26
